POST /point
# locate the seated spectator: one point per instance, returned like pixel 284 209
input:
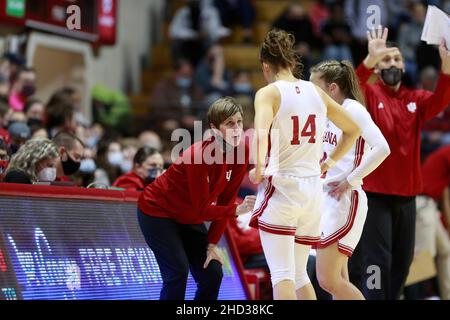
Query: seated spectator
pixel 4 158
pixel 129 149
pixel 337 35
pixel 148 164
pixel 295 20
pixel 60 114
pixel 23 88
pixel 34 111
pixel 150 139
pixel 242 85
pixel 237 12
pixel 176 97
pixel 71 150
pixel 5 114
pixel 109 159
pixel 4 88
pixel 19 133
pixel 212 76
pixel 35 161
pixel 193 29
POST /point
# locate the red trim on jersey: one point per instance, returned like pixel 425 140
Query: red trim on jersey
pixel 348 251
pixel 269 148
pixel 348 225
pixel 267 195
pixel 359 152
pixel 276 229
pixel 307 241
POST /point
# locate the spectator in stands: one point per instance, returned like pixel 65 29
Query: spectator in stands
pixel 212 75
pixel 4 88
pixel 34 111
pixel 237 12
pixel 23 88
pixel 337 35
pixel 19 133
pixel 295 20
pixel 242 85
pixel 71 150
pixel 5 114
pixel 148 164
pixel 409 39
pixel 35 162
pixel 130 146
pixel 60 114
pixel 431 234
pixel 150 139
pixel 194 28
pixel 4 158
pixel 10 64
pixel 176 97
pixel 109 159
pixel 318 14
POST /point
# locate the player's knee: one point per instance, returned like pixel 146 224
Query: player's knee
pixel 301 280
pixel 282 275
pixel 213 274
pixel 328 281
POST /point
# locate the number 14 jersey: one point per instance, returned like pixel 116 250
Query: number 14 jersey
pixel 296 134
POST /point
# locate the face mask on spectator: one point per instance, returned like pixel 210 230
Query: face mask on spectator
pixel 47 174
pixel 14 148
pixel 87 165
pixel 153 173
pixel 70 166
pixel 28 90
pixel 243 87
pixel 392 76
pixel 183 82
pixel 115 158
pixel 126 166
pixel 92 141
pixel 35 123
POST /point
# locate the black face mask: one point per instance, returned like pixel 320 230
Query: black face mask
pixel 28 90
pixel 14 148
pixel 35 123
pixel 152 175
pixel 70 166
pixel 392 76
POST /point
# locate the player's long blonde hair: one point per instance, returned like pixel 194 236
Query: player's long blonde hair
pixel 30 154
pixel 343 74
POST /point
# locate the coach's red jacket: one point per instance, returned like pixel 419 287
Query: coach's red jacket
pixel 191 193
pixel 400 116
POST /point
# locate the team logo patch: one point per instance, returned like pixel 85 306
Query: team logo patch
pixel 412 107
pixel 381 105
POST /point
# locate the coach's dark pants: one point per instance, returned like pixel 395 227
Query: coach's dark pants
pixel 380 264
pixel 179 248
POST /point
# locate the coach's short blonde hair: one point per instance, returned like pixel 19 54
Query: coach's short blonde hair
pixel 222 109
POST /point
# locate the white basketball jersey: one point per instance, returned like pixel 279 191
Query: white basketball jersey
pixel 295 142
pixel 352 158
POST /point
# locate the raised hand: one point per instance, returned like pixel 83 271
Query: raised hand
pixel 445 57
pixel 377 46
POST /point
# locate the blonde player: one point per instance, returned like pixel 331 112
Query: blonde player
pixel 290 120
pixel 345 203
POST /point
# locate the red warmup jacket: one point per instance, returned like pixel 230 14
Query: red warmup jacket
pixel 400 117
pixel 436 173
pixel 130 181
pixel 192 193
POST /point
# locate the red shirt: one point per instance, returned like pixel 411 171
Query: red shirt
pixel 195 193
pixel 436 173
pixel 130 181
pixel 400 116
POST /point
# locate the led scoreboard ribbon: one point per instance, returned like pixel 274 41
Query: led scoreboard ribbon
pixel 86 248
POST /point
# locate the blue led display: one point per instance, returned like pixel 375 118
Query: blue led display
pixel 83 249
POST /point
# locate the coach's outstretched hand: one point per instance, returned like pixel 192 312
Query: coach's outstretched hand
pixel 212 253
pixel 377 46
pixel 246 206
pixel 445 57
